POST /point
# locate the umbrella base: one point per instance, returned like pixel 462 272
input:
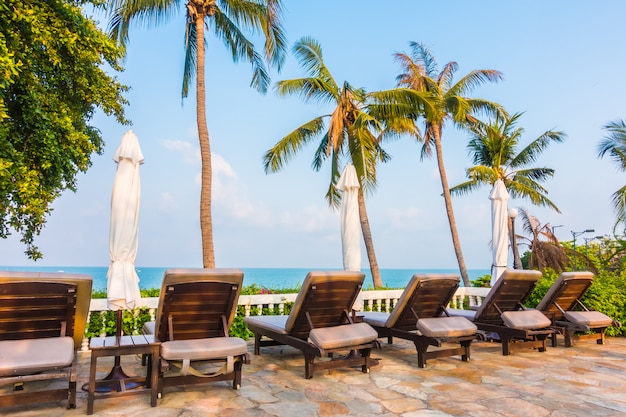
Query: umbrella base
pixel 114 381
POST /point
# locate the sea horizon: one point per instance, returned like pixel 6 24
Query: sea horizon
pixel 276 278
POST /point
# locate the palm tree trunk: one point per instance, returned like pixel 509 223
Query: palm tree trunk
pixel 206 221
pixel 369 242
pixel 448 201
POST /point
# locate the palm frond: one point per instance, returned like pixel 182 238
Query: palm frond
pixel 287 147
pixel 614 143
pixel 532 151
pixel 191 56
pixel 472 80
pixel 240 47
pixel 146 13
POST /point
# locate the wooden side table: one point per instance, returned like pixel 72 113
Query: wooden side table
pixel 120 346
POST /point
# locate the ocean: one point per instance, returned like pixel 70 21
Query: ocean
pixel 151 277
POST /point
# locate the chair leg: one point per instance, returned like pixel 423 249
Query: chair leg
pixel 466 348
pixel 309 366
pixel 505 340
pixel 257 344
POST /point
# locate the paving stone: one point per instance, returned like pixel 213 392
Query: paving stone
pixel 585 380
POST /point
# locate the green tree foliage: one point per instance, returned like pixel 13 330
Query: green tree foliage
pixel 52 81
pixel 493 148
pixel 426 92
pixel 614 144
pixel 348 134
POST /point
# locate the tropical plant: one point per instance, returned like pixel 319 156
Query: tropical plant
pixel 614 144
pixel 426 93
pixel 493 149
pixel 228 19
pixel 545 249
pixel 52 82
pixel 351 135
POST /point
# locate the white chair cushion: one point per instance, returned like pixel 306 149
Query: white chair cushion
pixel 203 349
pixel 344 336
pixel 446 327
pixel 525 319
pixel 588 318
pixel 27 356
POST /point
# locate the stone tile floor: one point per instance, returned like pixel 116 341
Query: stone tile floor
pixel 586 380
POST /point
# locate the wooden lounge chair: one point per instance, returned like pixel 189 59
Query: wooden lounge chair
pixel 42 322
pixel 196 310
pixel 321 324
pixel 569 315
pixel 419 316
pixel 502 313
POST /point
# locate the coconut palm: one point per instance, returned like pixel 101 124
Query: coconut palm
pixel 228 19
pixel 493 149
pixel 348 134
pixel 614 144
pixel 426 93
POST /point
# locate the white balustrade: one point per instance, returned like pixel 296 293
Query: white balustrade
pixel 378 300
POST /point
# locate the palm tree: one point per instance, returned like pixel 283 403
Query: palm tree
pixel 351 134
pixel 545 249
pixel 615 145
pixel 493 149
pixel 431 94
pixel 227 18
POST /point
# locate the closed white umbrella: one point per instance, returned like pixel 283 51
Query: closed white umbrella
pixel 122 279
pixel 499 230
pixel 350 224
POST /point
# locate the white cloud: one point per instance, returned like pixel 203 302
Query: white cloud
pixel 409 218
pixel 167 203
pixel 190 152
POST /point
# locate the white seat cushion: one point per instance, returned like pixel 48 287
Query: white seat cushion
pixel 588 318
pixel 149 327
pixel 445 327
pixel 203 349
pixel 344 336
pixel 525 319
pixel 273 323
pixel 27 356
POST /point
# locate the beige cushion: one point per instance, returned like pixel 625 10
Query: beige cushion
pixel 588 318
pixel 273 323
pixel 525 319
pixel 26 356
pixel 375 318
pixel 149 327
pixel 203 349
pixel 444 327
pixel 344 336
pixel 468 314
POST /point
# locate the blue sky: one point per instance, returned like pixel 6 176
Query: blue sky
pixel 563 64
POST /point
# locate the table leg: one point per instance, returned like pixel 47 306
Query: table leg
pixel 154 376
pixel 92 384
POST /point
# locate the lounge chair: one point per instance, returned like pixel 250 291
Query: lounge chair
pixel 321 323
pixel 42 322
pixel 419 316
pixel 196 310
pixel 562 303
pixel 502 313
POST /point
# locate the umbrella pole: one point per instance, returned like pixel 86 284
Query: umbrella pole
pixel 117 375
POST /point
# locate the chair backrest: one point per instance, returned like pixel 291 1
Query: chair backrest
pixel 508 294
pixel 324 299
pixel 425 296
pixel 568 288
pixel 201 303
pixel 36 305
